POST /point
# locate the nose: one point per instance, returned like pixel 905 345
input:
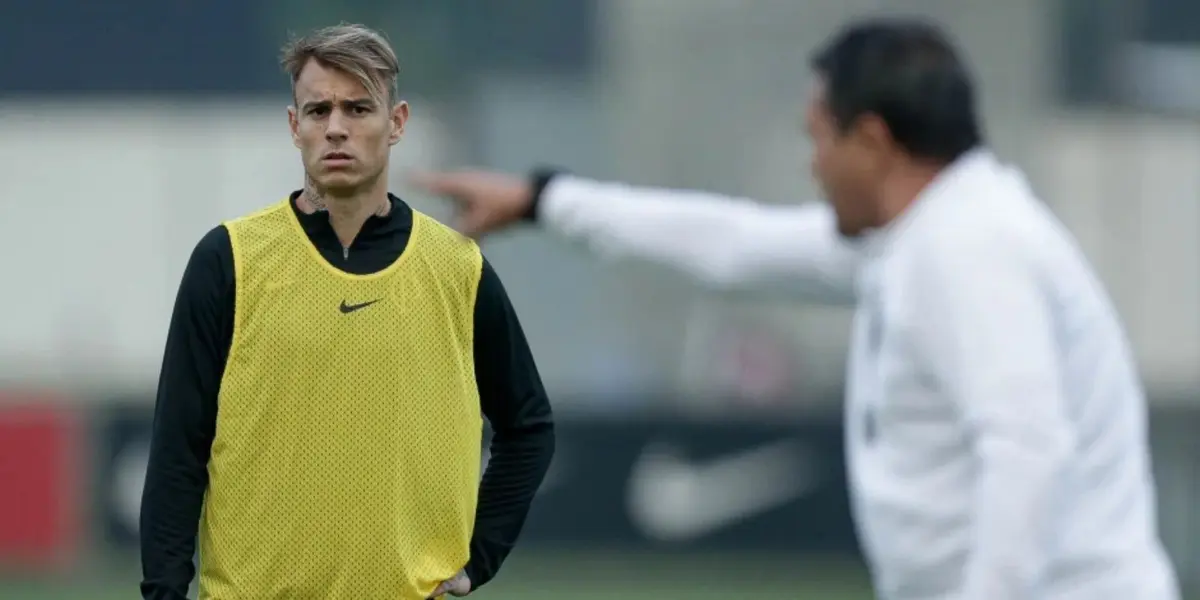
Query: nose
pixel 335 129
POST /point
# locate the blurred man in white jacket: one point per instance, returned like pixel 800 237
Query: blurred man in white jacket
pixel 995 421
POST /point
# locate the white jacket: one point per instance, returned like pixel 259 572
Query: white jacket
pixel 995 422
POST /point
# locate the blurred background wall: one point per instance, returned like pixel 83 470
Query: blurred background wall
pixel 129 128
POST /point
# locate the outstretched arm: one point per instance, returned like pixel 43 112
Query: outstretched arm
pixel 724 243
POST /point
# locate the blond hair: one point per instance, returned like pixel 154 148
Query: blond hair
pixel 354 49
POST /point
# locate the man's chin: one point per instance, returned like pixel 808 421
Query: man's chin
pixel 338 184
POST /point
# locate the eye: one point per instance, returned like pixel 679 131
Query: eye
pixel 361 110
pixel 318 111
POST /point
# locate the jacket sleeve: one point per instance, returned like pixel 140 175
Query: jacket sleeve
pixel 516 406
pixel 185 417
pixel 986 328
pixel 724 243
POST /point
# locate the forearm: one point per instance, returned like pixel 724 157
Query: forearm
pixel 518 464
pixel 170 515
pixel 153 591
pixel 172 498
pixel 724 243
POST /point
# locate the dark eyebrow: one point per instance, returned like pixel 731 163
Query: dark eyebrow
pixel 346 104
pixel 309 106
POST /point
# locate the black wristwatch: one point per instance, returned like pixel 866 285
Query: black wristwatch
pixel 538 180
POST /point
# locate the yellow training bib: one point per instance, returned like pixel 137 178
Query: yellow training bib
pixel 347 452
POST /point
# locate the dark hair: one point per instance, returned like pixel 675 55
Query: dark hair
pixel 907 73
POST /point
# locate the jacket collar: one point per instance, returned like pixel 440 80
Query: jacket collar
pixel 968 172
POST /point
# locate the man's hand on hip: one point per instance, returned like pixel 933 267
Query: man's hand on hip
pixel 459 585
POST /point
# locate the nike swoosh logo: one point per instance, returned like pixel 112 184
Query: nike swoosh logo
pixel 673 499
pixel 349 308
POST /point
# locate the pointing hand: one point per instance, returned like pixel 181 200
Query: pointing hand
pixel 486 201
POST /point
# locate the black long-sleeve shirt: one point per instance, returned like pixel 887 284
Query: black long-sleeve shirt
pixel 510 392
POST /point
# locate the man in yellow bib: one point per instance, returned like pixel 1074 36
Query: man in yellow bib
pixel 329 364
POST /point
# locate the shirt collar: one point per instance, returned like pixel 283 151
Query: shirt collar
pixel 320 219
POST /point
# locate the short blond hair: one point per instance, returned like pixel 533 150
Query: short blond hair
pixel 354 49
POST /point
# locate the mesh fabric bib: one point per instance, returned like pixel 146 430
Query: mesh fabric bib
pixel 347 453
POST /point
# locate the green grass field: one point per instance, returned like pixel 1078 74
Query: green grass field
pixel 571 576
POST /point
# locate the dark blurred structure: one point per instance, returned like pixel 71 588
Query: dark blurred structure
pixel 165 117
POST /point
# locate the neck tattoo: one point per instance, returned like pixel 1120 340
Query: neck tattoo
pixel 313 196
pixel 318 204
